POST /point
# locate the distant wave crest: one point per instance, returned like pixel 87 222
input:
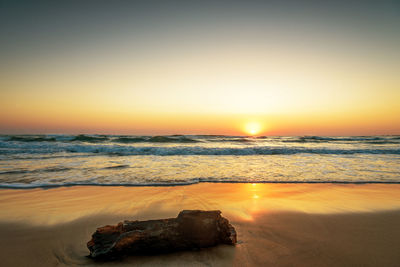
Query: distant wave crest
pixel 167 139
pixel 362 139
pixel 90 139
pixel 31 138
pixel 41 148
pixel 101 139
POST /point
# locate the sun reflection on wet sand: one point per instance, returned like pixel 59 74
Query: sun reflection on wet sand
pixel 241 201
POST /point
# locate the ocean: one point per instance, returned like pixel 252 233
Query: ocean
pixel 29 161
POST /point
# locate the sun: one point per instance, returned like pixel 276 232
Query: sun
pixel 252 128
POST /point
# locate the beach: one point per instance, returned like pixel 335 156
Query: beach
pixel 131 127
pixel 296 224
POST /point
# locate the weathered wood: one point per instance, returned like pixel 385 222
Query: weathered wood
pixel 190 230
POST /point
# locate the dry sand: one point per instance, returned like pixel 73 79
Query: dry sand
pixel 277 224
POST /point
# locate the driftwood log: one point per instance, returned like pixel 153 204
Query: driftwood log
pixel 192 229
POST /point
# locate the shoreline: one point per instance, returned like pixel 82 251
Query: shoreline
pixel 50 186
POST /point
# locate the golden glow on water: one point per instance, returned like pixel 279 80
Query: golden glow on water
pixel 242 201
pixel 178 169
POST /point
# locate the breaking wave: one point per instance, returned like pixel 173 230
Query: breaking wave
pixel 29 161
pixel 40 148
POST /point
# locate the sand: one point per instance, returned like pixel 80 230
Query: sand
pixel 277 224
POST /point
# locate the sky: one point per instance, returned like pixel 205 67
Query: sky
pixel 200 67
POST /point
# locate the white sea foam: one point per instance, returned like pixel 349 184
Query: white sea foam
pixel 66 160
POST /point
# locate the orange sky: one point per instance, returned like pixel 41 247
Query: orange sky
pixel 180 75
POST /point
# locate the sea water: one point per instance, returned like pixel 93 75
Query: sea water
pixel 28 161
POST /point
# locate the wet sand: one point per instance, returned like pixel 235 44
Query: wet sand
pixel 277 224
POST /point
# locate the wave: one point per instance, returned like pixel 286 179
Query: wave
pixel 175 139
pixel 238 139
pixel 32 139
pixel 122 166
pixel 90 139
pixel 49 169
pixel 194 138
pixel 120 150
pixel 360 139
pixel 128 140
pixel 382 142
pixel 155 139
pixel 103 138
pixel 137 139
pixel 14 172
